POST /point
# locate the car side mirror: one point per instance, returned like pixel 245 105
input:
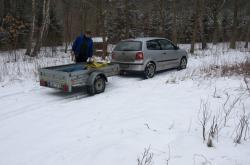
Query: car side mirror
pixel 177 47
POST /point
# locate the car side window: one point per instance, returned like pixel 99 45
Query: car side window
pixel 153 45
pixel 166 45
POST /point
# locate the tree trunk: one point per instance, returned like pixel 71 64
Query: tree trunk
pixel 67 24
pixel 196 14
pixel 84 15
pixel 7 7
pixel 127 18
pixel 44 27
pixel 102 15
pixel 104 35
pixel 202 24
pixel 66 29
pixel 81 17
pixel 67 34
pixel 247 36
pixel 235 24
pixel 98 19
pixel 216 28
pixel 1 10
pixel 217 9
pixel 29 46
pixel 174 26
pixel 162 16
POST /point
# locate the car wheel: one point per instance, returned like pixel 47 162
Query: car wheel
pixel 122 73
pixel 183 63
pixel 98 86
pixel 149 71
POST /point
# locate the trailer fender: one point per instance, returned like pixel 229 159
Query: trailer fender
pixel 93 76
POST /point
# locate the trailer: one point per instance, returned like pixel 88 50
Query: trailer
pixel 68 77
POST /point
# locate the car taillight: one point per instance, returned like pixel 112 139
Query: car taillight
pixel 113 55
pixel 65 88
pixel 43 83
pixel 139 56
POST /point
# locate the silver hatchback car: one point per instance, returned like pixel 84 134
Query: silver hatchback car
pixel 148 55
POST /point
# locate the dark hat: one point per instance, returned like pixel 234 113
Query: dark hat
pixel 88 32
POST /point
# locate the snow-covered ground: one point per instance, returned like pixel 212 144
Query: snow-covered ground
pixel 41 126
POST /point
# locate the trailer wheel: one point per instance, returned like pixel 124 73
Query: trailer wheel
pixel 98 86
pixel 90 90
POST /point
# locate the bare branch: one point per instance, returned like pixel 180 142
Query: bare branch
pixel 204 117
pixel 246 82
pixel 243 127
pixel 169 156
pixel 146 157
pixel 228 109
pixel 213 131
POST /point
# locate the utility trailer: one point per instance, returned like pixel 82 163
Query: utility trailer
pixel 67 77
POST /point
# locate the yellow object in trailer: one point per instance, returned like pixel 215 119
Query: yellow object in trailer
pixel 96 65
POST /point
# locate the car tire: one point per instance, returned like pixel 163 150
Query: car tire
pixel 149 71
pixel 183 63
pixel 97 87
pixel 122 73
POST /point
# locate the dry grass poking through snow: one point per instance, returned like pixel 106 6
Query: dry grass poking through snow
pixel 214 62
pixel 241 69
pixel 19 67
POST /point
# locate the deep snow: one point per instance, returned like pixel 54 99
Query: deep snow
pixel 41 126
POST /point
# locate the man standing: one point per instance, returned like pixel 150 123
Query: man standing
pixel 82 48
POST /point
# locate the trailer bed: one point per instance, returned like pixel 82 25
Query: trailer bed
pixel 66 77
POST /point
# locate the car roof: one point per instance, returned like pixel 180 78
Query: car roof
pixel 144 38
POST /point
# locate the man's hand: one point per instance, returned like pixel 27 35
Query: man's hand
pixel 90 60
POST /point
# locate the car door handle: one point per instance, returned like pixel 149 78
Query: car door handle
pixel 164 53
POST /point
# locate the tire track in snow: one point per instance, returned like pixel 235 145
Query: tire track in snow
pixel 57 97
pixel 37 106
pixel 18 93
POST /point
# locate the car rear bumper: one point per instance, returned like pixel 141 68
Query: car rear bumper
pixel 133 67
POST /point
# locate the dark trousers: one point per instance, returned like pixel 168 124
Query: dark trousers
pixel 81 59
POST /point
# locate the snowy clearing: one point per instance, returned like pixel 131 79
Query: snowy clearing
pixel 41 126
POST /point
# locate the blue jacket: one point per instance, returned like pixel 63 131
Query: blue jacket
pixel 78 43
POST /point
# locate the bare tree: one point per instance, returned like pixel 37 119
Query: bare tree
pixel 29 46
pixel 126 12
pixel 84 11
pixel 44 27
pixel 247 37
pixel 102 12
pixel 214 9
pixel 202 24
pixel 67 23
pixel 1 9
pixel 195 24
pixel 174 26
pixel 100 9
pixel 162 12
pixel 235 24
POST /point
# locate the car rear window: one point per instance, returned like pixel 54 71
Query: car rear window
pixel 129 46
